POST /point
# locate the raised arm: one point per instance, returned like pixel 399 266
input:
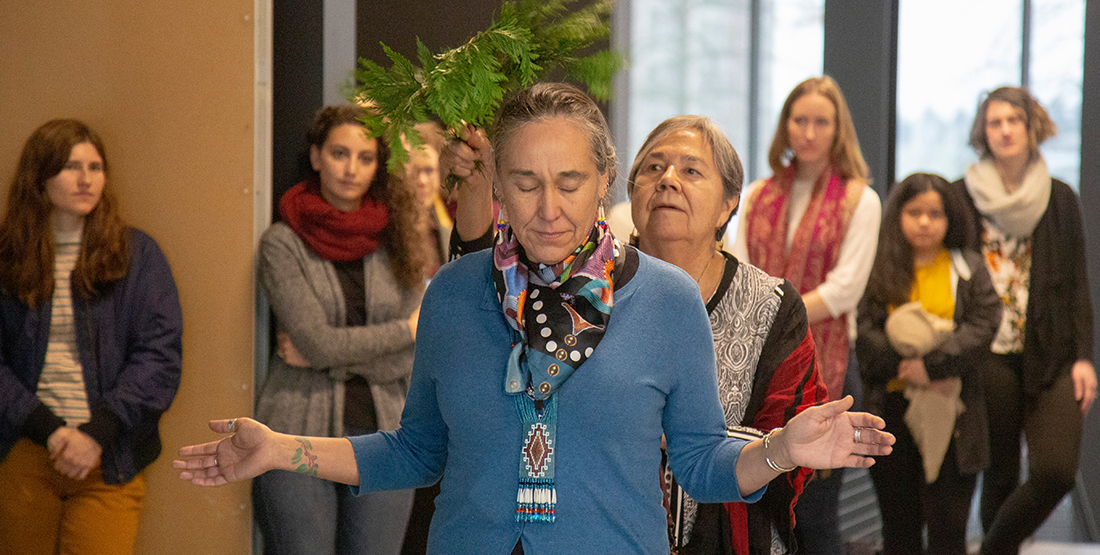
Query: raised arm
pixel 471 161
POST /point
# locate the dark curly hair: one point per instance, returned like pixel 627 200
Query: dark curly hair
pixel 402 236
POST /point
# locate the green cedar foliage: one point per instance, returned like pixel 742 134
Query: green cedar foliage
pixel 466 84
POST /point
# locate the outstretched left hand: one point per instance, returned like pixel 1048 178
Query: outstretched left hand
pixel 244 454
pixel 825 436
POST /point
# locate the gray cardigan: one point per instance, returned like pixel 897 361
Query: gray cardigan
pixel 308 302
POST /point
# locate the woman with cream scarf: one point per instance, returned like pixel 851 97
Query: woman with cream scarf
pixel 1040 378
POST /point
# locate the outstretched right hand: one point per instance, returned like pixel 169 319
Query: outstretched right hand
pixel 243 455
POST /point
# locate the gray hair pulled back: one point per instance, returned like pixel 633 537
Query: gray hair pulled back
pixel 547 100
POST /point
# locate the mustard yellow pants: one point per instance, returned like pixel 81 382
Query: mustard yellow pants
pixel 43 512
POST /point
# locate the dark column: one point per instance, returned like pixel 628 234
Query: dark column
pixel 861 44
pixel 1087 495
pixel 440 24
pixel 297 76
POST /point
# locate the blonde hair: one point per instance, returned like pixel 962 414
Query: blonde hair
pixel 844 156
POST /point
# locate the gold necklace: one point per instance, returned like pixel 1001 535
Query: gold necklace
pixel 703 275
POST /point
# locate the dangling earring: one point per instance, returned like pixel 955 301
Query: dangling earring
pixel 600 220
pixel 501 219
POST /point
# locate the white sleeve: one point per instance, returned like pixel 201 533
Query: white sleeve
pixel 740 247
pixel 844 284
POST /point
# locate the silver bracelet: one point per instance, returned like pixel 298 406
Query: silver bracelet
pixel 767 446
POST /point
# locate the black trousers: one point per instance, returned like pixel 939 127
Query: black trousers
pixel 907 503
pixel 1051 422
pixel 817 517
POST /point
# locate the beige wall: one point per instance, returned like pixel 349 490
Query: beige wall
pixel 169 86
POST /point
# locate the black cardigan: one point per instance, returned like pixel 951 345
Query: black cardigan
pixel 1058 331
pixel 977 316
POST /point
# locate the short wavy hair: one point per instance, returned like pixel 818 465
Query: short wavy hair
pixel 546 100
pixel 1039 125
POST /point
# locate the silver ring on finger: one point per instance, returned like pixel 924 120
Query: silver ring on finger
pixel 857 438
pixel 232 425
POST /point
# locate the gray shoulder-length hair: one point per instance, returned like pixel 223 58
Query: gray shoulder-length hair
pixel 546 100
pixel 726 160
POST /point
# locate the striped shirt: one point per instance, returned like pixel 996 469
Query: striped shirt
pixel 61 386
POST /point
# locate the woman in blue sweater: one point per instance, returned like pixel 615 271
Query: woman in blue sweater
pixel 90 352
pixel 547 371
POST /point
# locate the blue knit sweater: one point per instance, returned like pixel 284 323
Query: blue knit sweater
pixel 653 373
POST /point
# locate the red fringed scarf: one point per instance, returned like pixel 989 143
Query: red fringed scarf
pixel 795 386
pixel 330 233
pixel 813 253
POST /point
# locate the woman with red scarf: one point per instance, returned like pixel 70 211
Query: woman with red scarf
pixel 343 272
pixel 815 223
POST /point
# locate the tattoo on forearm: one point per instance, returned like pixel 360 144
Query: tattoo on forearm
pixel 304 457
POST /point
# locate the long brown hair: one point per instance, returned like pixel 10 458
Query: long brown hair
pixel 402 238
pixel 845 157
pixel 26 238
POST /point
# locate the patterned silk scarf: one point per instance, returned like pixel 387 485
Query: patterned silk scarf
pixel 813 253
pixel 558 315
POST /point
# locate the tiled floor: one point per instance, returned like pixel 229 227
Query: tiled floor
pixel 1055 548
pixel 1054 537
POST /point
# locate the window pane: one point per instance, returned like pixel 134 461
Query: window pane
pixel 688 57
pixel 950 54
pixel 693 57
pixel 1057 63
pixel 792 48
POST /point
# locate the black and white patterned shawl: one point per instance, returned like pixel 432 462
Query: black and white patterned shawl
pixel 741 311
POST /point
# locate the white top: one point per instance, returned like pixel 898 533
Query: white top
pixel 621 220
pixel 844 284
